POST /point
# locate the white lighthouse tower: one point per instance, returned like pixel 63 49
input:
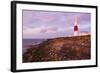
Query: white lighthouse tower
pixel 75 27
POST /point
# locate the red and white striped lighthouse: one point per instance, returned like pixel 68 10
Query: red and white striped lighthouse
pixel 75 27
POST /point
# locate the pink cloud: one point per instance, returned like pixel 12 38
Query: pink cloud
pixel 43 31
pixel 48 30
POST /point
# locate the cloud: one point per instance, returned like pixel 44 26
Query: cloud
pixel 49 30
pixel 47 24
pixel 27 31
pixel 42 31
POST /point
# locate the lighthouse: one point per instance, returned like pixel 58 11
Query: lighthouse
pixel 75 27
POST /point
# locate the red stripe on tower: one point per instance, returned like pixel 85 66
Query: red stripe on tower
pixel 75 27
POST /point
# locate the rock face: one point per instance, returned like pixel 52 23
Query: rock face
pixel 60 49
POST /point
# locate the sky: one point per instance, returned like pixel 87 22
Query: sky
pixel 52 24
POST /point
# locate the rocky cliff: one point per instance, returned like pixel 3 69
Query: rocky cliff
pixel 60 49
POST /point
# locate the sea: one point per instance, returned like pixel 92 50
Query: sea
pixel 27 42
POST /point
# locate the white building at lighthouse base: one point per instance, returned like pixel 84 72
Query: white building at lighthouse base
pixel 76 33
